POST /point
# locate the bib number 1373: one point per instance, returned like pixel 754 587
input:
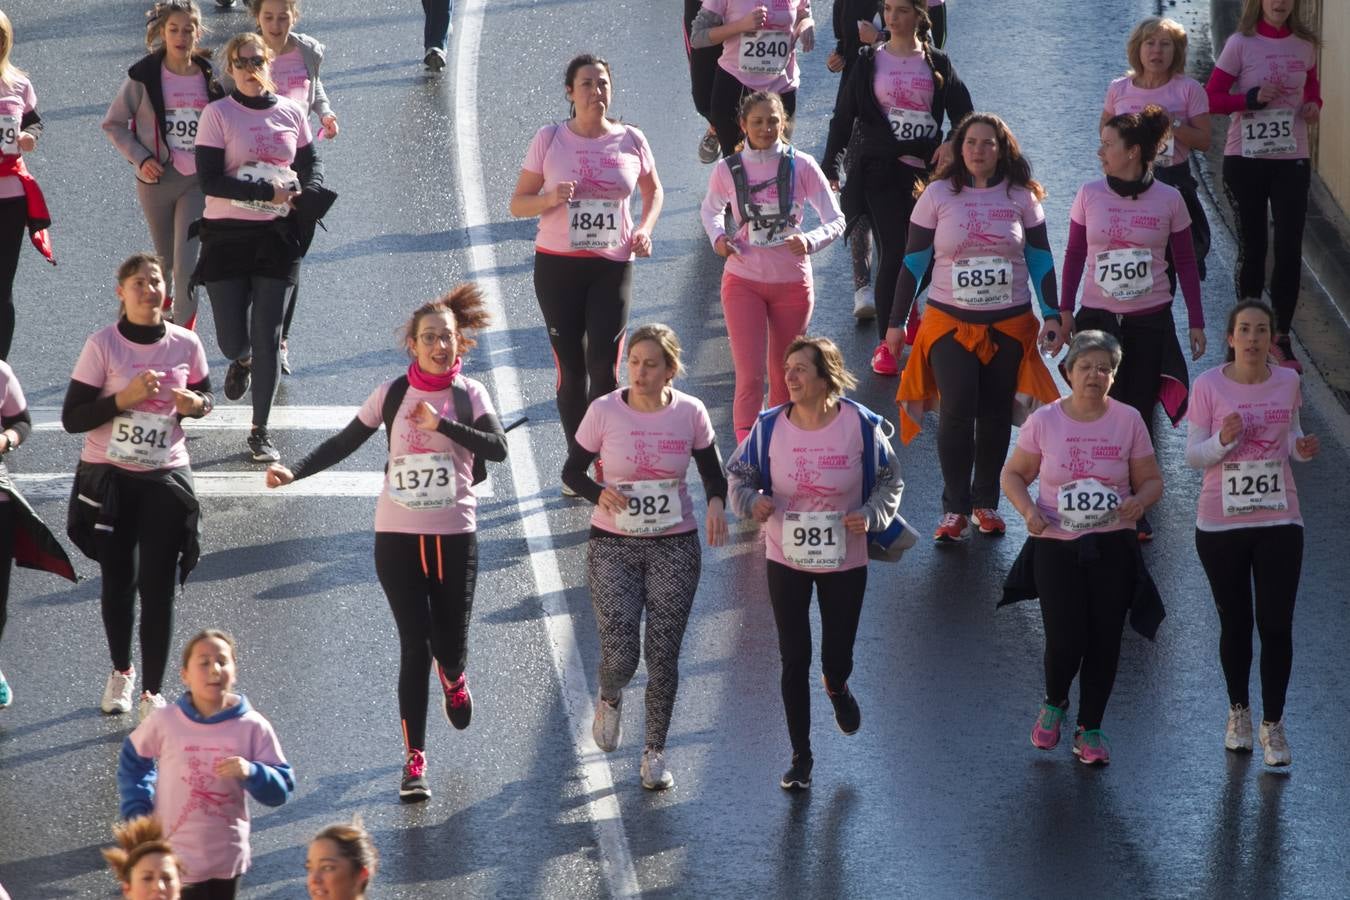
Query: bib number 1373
pixel 422 480
pixel 814 540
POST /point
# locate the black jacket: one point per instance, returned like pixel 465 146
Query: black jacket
pixel 148 70
pixel 35 547
pixel 94 508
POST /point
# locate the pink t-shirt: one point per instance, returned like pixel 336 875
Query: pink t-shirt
pixel 775 263
pixel 460 516
pixel 12 401
pixel 781 20
pixel 906 83
pixel 204 816
pixel 816 471
pixel 606 168
pixel 1116 225
pixel 1257 60
pixel 184 99
pixel 16 98
pixel 291 77
pixel 109 362
pixel 270 136
pixel 1267 410
pixel 646 446
pixel 979 243
pixel 1184 98
pixel 1072 451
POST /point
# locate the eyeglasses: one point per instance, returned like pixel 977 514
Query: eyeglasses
pixel 249 62
pixel 1087 368
pixel 430 339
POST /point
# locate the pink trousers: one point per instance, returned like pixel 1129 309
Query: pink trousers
pixel 762 319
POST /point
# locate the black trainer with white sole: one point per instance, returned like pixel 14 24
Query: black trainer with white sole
pixel 237 378
pixel 798 778
pixel 260 445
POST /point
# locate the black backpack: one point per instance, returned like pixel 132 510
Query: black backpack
pixel 463 412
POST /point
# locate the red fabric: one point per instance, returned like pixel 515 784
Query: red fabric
pixel 1312 88
pixel 39 220
pixel 1220 101
pixel 1188 275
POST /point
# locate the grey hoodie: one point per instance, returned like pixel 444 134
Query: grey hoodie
pixel 311 51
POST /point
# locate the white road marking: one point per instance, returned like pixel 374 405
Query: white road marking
pixel 56 485
pixel 603 805
pixel 234 418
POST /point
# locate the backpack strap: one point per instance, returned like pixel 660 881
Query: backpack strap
pixel 741 182
pixel 393 399
pixel 787 180
pixel 758 448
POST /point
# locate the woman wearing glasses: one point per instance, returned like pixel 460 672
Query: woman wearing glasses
pixel 255 155
pixel 441 426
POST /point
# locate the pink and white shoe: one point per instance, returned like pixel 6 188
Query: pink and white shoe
pixel 1045 733
pixel 883 363
pixel 1091 747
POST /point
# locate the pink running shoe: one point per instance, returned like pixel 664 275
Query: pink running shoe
pixel 1091 747
pixel 458 700
pixel 1045 733
pixel 883 363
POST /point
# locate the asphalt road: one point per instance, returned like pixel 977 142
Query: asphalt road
pixel 939 795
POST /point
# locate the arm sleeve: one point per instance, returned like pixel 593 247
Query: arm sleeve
pixel 84 410
pixel 743 479
pixel 136 776
pixel 203 387
pixel 709 462
pixel 1220 100
pixel 1188 274
pixel 215 183
pixel 31 122
pixel 1041 267
pixel 271 784
pixel 1204 450
pixel 720 193
pixel 1296 432
pixel 483 438
pixel 308 167
pixel 115 125
pixel 705 21
pixel 335 449
pixel 1075 258
pixel 841 123
pixel 320 106
pixel 884 502
pixel 823 201
pixel 956 100
pixel 918 256
pixel 20 423
pixel 576 473
pixel 1312 88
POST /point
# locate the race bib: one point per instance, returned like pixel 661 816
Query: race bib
pixel 1125 273
pixel 770 231
pixel 764 52
pixel 422 480
pixel 594 224
pixel 1268 131
pixel 1253 485
pixel 9 135
pixel 814 540
pixel 1167 153
pixel 653 506
pixel 266 173
pixel 1087 503
pixel 140 439
pixel 982 281
pixel 180 129
pixel 912 124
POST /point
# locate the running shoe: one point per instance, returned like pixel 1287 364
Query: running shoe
pixel 864 305
pixel 709 148
pixel 847 715
pixel 988 521
pixel 237 378
pixel 1091 747
pixel 953 528
pixel 1143 530
pixel 284 357
pixel 261 446
pixel 1238 736
pixel 149 703
pixel 1282 351
pixel 225 4
pixel 655 775
pixel 458 700
pixel 798 778
pixel 1045 733
pixel 1274 743
pixel 6 694
pixel 883 363
pixel 118 691
pixel 414 788
pixel 434 59
pixel 607 729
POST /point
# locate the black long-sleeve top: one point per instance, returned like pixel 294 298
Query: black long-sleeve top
pixel 484 438
pixel 211 164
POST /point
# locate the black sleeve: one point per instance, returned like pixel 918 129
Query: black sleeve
pixel 308 167
pixel 709 462
pixel 956 99
pixel 335 449
pixel 203 387
pixel 84 410
pixel 841 123
pixel 483 438
pixel 907 285
pixel 215 183
pixel 576 473
pixel 837 14
pixel 31 123
pixel 21 425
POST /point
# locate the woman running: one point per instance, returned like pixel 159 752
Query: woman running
pixel 1097 474
pixel 134 509
pixel 818 472
pixel 255 155
pixel 898 94
pixel 644 552
pixel 342 860
pixel 1243 428
pixel 1156 51
pixel 441 428
pixel 1266 80
pixel 153 123
pixel 980 227
pixel 759 53
pixel 702 72
pixel 145 865
pixel 1121 229
pixel 767 286
pixel 577 179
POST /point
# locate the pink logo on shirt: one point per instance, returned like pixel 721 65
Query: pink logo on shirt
pixel 1105 452
pixel 1116 228
pixel 1080 462
pixel 1150 222
pixel 806 477
pixel 647 461
pixel 1278 417
pixel 200 779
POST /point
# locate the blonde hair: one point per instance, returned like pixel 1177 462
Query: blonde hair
pixel 1251 15
pixel 244 39
pixel 8 71
pixel 136 839
pixel 157 19
pixel 1147 29
pixel 665 338
pixel 829 363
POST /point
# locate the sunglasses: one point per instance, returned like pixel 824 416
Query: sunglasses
pixel 249 62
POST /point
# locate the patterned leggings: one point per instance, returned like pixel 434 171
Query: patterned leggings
pixel 627 574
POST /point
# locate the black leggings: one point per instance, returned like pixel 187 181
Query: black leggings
pixel 1282 185
pixel 248 312
pixel 141 552
pixel 889 189
pixel 6 560
pixel 1142 343
pixel 727 92
pixel 585 302
pixel 1272 556
pixel 429 581
pixel 1084 598
pixel 841 596
pixel 975 419
pixel 212 889
pixel 291 297
pixel 938 16
pixel 702 63
pixel 13 220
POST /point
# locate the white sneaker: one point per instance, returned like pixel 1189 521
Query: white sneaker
pixel 1274 743
pixel 149 703
pixel 608 726
pixel 118 691
pixel 655 775
pixel 864 306
pixel 1238 737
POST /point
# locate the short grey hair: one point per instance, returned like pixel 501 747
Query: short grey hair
pixel 1089 341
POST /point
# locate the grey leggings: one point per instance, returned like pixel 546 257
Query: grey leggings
pixel 248 313
pixel 170 207
pixel 627 574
